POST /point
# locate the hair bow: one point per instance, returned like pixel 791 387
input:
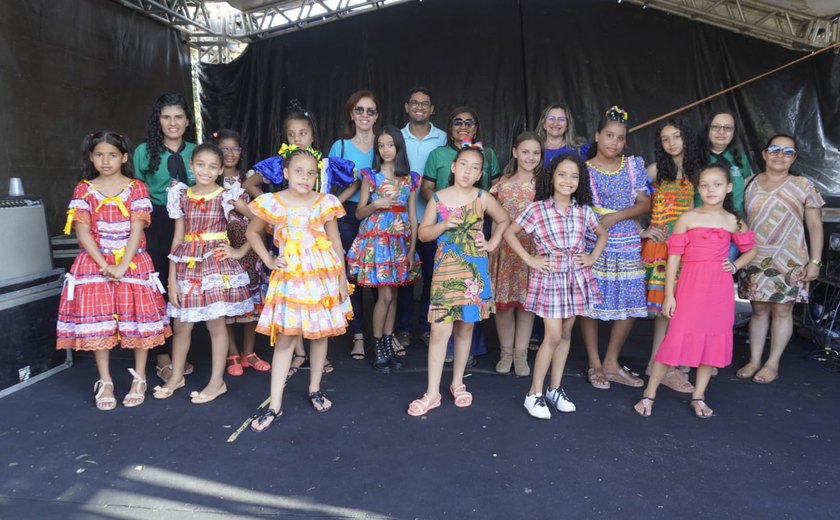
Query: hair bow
pixel 466 143
pixel 616 114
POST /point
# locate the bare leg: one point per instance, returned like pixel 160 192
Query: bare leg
pixel 317 358
pixel 438 339
pixel 102 358
pixel 218 349
pixel 618 335
pixel 524 325
pixel 545 354
pixel 233 350
pixel 660 327
pixel 759 326
pixel 391 317
pixel 249 337
pixel 781 330
pixel 141 357
pixel 181 337
pixel 280 362
pixel 561 353
pixel 589 331
pixel 506 326
pixel 704 375
pixel 645 405
pixel 463 343
pixel 380 310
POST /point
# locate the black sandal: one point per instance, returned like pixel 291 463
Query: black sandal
pixel 319 402
pixel 294 369
pixel 399 349
pixel 358 356
pixel 269 413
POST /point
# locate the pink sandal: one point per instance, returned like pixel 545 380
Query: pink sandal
pixel 251 360
pixel 421 406
pixel 234 366
pixel 461 396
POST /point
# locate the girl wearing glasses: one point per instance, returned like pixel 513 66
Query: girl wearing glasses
pixel 556 128
pixel 233 176
pixel 720 145
pixel 362 115
pixel 779 205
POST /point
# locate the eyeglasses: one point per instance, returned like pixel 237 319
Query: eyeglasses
pixel 469 123
pixel 722 128
pixel 413 103
pixel 231 149
pixel 787 151
pixel 555 119
pixel 362 110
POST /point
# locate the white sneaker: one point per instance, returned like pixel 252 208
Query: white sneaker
pixel 560 400
pixel 535 404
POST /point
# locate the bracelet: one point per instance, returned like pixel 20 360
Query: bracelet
pixel 815 262
pixel 734 265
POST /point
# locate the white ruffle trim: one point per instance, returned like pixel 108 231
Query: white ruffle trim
pixel 214 281
pixel 229 198
pixel 174 194
pixel 210 312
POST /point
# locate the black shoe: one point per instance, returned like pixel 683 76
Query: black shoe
pixel 380 359
pixel 393 361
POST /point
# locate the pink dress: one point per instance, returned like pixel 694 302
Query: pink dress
pixel 700 332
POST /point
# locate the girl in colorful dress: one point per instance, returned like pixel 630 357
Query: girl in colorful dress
pixel 384 254
pixel 112 294
pixel 507 270
pixel 462 293
pixel 308 291
pixel 673 175
pixel 699 247
pixel 233 177
pixel 561 285
pixel 619 196
pixel 206 283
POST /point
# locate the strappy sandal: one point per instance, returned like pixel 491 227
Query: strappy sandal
pixel 677 381
pixel 167 369
pixel 701 408
pixel 646 404
pixel 293 369
pixel 461 396
pixel 597 379
pixel 161 392
pixel 269 413
pixel 626 377
pixel 234 365
pixel 104 403
pixel 320 402
pixel 137 398
pixel 399 349
pixel 253 361
pixel 421 406
pixel 358 340
pixel 328 367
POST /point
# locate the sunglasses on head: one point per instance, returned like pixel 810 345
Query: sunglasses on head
pixel 469 123
pixel 787 151
pixel 361 111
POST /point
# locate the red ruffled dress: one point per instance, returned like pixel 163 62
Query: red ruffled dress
pixel 700 332
pixel 210 288
pixel 95 312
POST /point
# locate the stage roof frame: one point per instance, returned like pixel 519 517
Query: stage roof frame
pixel 220 31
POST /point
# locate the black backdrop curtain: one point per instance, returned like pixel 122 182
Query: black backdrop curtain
pixel 510 58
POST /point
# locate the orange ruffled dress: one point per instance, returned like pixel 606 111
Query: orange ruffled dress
pixel 304 299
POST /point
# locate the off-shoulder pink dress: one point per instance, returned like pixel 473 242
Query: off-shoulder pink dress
pixel 700 332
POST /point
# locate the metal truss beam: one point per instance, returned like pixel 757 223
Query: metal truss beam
pixel 784 27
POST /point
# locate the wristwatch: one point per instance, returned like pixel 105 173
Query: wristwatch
pixel 816 262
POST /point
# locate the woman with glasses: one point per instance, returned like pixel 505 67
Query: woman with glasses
pixel 556 128
pixel 361 112
pixel 779 205
pixel 720 145
pixel 463 125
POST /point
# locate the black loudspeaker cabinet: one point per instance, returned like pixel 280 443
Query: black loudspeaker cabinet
pixel 28 313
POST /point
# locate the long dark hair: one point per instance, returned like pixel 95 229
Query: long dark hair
pixel 154 134
pixel 114 139
pixel 666 168
pixel 227 133
pixel 545 183
pixel 706 145
pixel 401 167
pixel 513 164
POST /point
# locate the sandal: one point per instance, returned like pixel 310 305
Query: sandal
pixel 201 397
pixel 137 398
pixel 677 380
pixel 746 372
pixel 234 365
pixel 645 406
pixel 253 361
pixel 161 392
pixel 269 413
pixel 104 403
pixel 461 396
pixel 421 406
pixel 534 344
pixel 399 348
pixel 358 343
pixel 320 402
pixel 625 376
pixel 293 369
pixel 765 375
pixel 701 408
pixel 328 368
pixel 165 372
pixel 597 379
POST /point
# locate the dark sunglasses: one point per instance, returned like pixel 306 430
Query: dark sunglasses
pixel 361 111
pixel 469 123
pixel 787 151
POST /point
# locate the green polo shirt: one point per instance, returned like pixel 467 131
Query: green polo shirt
pixel 159 180
pixel 440 161
pixel 740 173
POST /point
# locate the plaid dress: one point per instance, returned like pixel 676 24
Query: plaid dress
pixel 566 289
pixel 250 262
pixel 95 312
pixel 210 288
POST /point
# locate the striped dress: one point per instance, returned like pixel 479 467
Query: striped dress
pixel 670 200
pixel 619 271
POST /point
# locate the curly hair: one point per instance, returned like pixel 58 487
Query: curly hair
pixel 545 183
pixel 227 133
pixel 110 137
pixel 666 168
pixel 154 133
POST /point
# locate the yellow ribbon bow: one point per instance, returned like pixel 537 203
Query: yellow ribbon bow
pixel 115 200
pixel 118 256
pixel 71 214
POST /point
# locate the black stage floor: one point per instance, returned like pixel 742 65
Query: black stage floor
pixel 770 452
